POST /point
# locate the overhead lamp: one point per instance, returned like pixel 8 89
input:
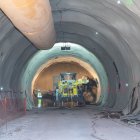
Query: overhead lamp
pixel 66 47
pixel 118 2
pixel 1 88
pixel 126 84
pixel 96 33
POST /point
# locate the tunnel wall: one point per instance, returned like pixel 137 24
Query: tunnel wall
pixel 42 57
pixel 15 50
pixel 118 31
pixel 77 21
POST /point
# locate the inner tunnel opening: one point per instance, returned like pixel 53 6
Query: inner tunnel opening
pixel 48 80
pixel 61 77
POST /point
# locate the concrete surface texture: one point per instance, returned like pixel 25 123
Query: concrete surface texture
pixel 109 30
pixel 83 124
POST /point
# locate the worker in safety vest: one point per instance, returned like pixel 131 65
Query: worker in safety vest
pixel 39 96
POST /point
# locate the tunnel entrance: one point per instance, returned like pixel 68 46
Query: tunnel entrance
pixel 55 61
pixel 110 45
pixel 66 75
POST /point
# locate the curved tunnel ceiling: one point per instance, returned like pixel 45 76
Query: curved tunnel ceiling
pixel 109 30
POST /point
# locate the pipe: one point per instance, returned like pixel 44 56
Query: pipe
pixel 33 18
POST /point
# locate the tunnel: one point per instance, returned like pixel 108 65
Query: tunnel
pixel 44 44
pixel 47 58
pixel 103 37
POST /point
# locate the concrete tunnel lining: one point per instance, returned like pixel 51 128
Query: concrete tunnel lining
pixel 68 60
pixel 71 12
pixel 118 29
pixel 113 38
pixel 40 60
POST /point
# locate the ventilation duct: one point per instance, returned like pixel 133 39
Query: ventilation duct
pixel 33 18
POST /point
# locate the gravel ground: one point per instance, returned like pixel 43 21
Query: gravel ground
pixel 82 124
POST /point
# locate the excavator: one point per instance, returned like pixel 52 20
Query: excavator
pixel 75 91
pixel 71 91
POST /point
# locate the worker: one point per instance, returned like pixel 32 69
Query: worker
pixel 57 94
pixel 39 96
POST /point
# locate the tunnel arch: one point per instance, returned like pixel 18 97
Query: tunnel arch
pixel 77 21
pixel 70 59
pixel 85 19
pixel 40 60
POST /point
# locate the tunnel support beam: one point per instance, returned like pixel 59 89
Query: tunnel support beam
pixel 33 18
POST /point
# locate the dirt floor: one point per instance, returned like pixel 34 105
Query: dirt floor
pixel 66 124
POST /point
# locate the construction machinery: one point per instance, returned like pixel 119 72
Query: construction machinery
pixel 68 90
